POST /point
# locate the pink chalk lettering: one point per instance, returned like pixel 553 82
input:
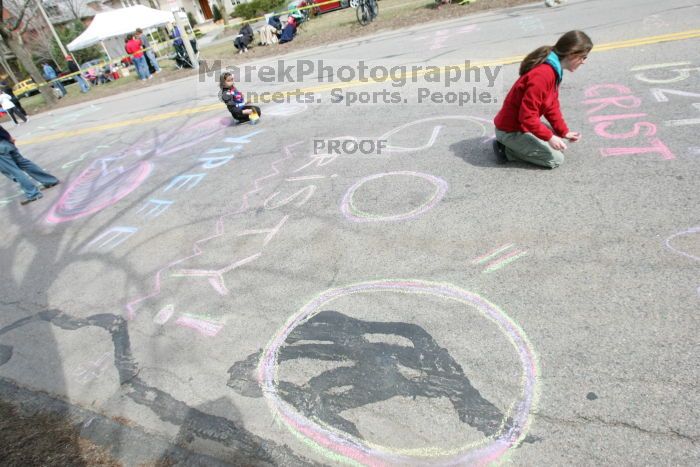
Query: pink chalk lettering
pixel 601 130
pixel 656 147
pixel 617 101
pixel 593 90
pixel 607 118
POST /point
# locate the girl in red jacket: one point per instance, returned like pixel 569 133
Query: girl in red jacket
pixel 520 134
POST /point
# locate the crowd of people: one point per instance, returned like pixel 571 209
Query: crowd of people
pixel 272 32
pixel 139 50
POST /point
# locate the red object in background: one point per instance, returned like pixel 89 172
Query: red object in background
pixel 329 7
pixel 326 8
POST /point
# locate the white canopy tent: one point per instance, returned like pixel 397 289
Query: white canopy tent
pixel 116 23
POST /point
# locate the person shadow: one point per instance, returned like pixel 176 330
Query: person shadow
pixel 478 152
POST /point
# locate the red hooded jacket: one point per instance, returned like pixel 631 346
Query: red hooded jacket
pixel 533 95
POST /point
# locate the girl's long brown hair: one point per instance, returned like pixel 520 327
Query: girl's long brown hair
pixel 222 79
pixel 571 43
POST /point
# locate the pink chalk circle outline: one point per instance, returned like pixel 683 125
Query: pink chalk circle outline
pixel 351 213
pixel 340 446
pixel 55 216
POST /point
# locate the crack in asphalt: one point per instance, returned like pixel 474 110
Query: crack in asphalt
pixel 583 420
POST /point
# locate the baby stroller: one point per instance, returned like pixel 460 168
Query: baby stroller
pixel 182 60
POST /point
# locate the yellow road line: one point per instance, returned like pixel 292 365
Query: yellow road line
pixel 677 36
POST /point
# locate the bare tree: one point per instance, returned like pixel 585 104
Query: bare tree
pixel 77 8
pixel 39 40
pixel 12 30
pixel 222 9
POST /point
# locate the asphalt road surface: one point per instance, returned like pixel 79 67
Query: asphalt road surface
pixel 355 279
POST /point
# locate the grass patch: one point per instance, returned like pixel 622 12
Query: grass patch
pixel 342 25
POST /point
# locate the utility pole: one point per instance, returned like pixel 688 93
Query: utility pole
pixel 186 38
pixel 53 31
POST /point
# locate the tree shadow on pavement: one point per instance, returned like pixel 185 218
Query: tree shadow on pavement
pixel 35 256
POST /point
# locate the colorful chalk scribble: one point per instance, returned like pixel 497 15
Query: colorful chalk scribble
pixel 109 179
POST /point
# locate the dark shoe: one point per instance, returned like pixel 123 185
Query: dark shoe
pixel 29 200
pixel 500 151
pixel 46 187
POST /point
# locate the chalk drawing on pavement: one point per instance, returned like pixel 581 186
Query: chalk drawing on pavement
pixel 111 238
pixel 109 179
pixel 352 213
pixel 91 370
pixel 216 277
pixel 531 24
pixel 495 262
pixel 164 314
pixel 102 184
pixel 480 123
pixel 317 332
pixel 157 207
pixel 203 325
pixel 694 232
pixel 8 199
pixel 96 150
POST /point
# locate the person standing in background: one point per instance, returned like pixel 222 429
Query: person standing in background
pixel 74 68
pixel 12 110
pixel 150 55
pixel 50 75
pixel 133 48
pixel 7 89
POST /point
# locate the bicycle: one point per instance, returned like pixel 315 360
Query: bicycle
pixel 366 11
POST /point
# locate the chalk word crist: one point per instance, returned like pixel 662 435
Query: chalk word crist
pixel 609 123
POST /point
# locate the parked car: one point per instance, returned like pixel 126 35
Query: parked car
pixel 319 9
pixel 25 88
pixel 333 6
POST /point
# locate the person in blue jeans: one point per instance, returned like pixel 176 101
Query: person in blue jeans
pixel 150 55
pixel 21 170
pixel 49 74
pixel 134 48
pixel 74 68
